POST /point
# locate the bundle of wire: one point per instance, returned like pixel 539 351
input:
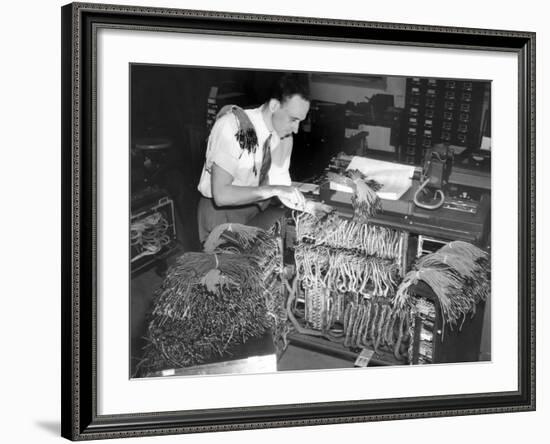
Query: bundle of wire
pixel 344 270
pixel 477 277
pixel 334 231
pixel 345 255
pixel 266 250
pixel 237 238
pixel 459 275
pixel 345 266
pixel 207 303
pixel 149 234
pixel 365 201
pixel 357 322
pixel 374 323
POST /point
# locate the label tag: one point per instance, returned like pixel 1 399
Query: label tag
pixel 364 358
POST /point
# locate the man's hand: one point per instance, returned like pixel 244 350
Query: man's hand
pixel 290 196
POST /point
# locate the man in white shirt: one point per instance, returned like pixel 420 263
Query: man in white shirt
pixel 248 157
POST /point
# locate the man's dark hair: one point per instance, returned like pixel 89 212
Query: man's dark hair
pixel 291 84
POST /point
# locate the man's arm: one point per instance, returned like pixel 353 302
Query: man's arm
pixel 226 194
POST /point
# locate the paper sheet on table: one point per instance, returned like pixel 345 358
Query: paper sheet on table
pixel 395 178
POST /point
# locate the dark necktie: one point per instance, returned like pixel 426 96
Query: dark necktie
pixel 266 161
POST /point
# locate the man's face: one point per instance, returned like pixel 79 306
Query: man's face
pixel 288 115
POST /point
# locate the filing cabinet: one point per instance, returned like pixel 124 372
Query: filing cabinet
pixel 442 111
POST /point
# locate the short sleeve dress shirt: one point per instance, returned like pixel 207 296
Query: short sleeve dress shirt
pixel 224 150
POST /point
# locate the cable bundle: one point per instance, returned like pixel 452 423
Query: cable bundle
pixel 375 324
pixel 236 238
pixel 345 271
pixel 266 250
pixel 365 201
pixel 344 255
pixel 206 304
pixel 149 234
pixel 344 266
pixel 336 232
pixel 477 277
pixel 459 275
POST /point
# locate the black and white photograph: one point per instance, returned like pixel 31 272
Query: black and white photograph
pixel 297 221
pixel 275 222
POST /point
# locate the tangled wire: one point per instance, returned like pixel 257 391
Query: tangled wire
pixel 150 234
pixel 459 275
pixel 365 201
pixel 214 300
pixel 264 246
pixel 354 321
pixel 344 255
pixel 206 304
pixel 343 270
pixel 349 271
pixel 336 232
pixel 375 323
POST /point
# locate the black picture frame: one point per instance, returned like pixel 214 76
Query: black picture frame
pixel 80 420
